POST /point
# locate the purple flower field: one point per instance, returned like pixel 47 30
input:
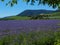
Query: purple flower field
pixel 17 26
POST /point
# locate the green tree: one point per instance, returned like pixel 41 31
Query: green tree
pixel 53 3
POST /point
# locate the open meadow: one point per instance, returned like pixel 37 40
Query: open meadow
pixel 30 32
pixel 29 22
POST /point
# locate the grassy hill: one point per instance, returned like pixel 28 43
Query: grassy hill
pixel 55 15
pixel 16 18
pixel 34 12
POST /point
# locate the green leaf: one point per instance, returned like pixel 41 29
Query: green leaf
pixel 2 0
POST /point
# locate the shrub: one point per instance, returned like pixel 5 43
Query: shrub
pixel 32 38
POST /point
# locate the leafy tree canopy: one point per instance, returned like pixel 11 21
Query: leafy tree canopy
pixel 53 3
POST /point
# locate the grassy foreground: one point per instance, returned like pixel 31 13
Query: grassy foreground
pixel 32 38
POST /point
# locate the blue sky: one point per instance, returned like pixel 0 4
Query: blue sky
pixel 21 6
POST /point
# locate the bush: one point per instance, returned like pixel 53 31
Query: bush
pixel 40 17
pixel 32 38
